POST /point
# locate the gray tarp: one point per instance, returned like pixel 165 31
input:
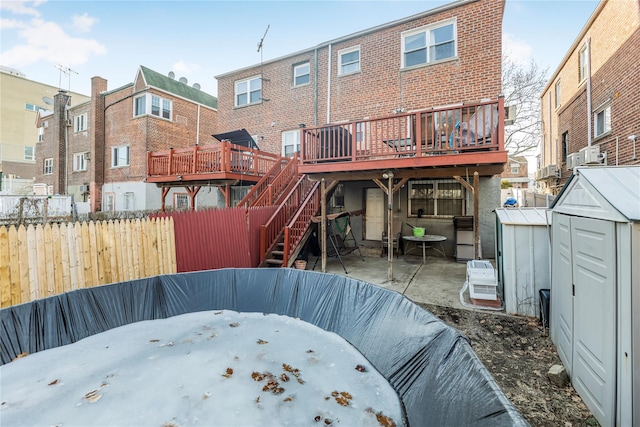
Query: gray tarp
pixel 431 365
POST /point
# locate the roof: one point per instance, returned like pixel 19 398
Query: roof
pixel 167 84
pixel 522 216
pixel 618 186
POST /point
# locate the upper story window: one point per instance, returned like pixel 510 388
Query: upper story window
pixel 515 168
pixel 429 44
pixel 582 64
pixel 80 123
pixel 41 133
pixel 32 107
pixel 248 91
pixel 436 198
pixel 565 146
pixel 349 60
pixel 120 156
pixel 152 104
pixel 48 166
pixel 79 162
pixel 29 152
pixel 557 92
pixel 602 121
pixel 301 74
pixel 290 143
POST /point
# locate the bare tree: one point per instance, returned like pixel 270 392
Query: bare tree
pixel 522 86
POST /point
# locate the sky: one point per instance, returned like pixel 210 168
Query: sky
pixel 214 367
pixel 201 39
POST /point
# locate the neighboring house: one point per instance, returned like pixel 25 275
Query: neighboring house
pixel 355 107
pixel 97 150
pixel 516 174
pixel 20 101
pixel 590 108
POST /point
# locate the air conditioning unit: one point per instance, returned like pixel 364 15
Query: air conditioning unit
pixel 84 188
pixel 87 156
pixel 537 176
pixel 69 122
pixel 509 115
pixel 590 155
pixel 551 171
pixel 572 160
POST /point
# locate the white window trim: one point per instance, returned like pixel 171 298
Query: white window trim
pixel 557 94
pixel 342 52
pixel 606 109
pixel 177 205
pixel 129 201
pixel 79 162
pixel 296 141
pixel 248 81
pixel 32 156
pixel 435 182
pixel 582 73
pixel 80 123
pixel 48 165
pixel 148 98
pixel 295 67
pixel 109 202
pixel 427 29
pixel 114 151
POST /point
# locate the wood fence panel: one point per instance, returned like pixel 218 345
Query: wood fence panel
pixel 94 253
pixel 58 267
pixel 77 235
pixel 100 259
pixel 136 247
pixel 49 266
pixel 14 267
pixel 23 254
pixel 64 255
pixel 41 260
pixel 6 289
pixel 34 288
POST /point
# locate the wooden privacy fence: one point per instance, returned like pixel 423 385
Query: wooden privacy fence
pixel 41 261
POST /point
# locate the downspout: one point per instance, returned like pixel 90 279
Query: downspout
pixel 588 52
pixel 315 88
pixel 329 86
pixel 198 127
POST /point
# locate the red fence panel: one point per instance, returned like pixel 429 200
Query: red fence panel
pixel 257 216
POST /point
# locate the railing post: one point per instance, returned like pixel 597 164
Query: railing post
pixel 170 166
pixel 285 255
pixel 501 146
pixel 149 170
pixel 263 243
pixel 195 160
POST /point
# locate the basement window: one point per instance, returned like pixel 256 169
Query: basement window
pixel 436 198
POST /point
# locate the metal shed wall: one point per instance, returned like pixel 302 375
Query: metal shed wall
pixel 523 258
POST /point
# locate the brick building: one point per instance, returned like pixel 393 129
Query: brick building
pixel 97 150
pixel 447 57
pixel 590 109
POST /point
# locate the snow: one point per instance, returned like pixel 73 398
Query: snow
pixel 207 368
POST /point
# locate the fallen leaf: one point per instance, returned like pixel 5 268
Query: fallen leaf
pixel 361 368
pixel 53 382
pixel 234 324
pixel 262 341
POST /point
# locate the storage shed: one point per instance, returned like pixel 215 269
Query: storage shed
pixel 595 289
pixel 523 258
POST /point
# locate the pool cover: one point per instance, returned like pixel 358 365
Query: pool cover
pixel 431 365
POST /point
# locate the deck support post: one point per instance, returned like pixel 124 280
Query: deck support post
pixel 476 210
pixel 165 191
pixel 323 224
pixel 192 191
pixel 389 176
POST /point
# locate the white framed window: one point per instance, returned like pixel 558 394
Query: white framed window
pixel 120 156
pixel 154 105
pixel 290 143
pixel 248 91
pixel 129 201
pixel 515 168
pixel 349 60
pixel 109 202
pixel 48 166
pixel 582 64
pixel 79 162
pixel 301 74
pixel 557 93
pixel 431 43
pixel 602 121
pixel 32 107
pixel 29 152
pixel 80 123
pixel 41 133
pixel 181 201
pixel 436 198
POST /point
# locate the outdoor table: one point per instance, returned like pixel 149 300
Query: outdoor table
pixel 427 241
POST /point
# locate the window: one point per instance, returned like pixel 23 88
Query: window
pixel 582 67
pixel 429 44
pixel 129 201
pixel 602 121
pixel 337 198
pixel 349 60
pixel 41 133
pixel 248 91
pixel 80 123
pixel 565 146
pixel 109 202
pixel 515 168
pixel 29 152
pixel 436 198
pixel 120 156
pixel 79 162
pixel 301 73
pixel 32 107
pixel 157 106
pixel 290 142
pixel 48 166
pixel 181 201
pixel 557 89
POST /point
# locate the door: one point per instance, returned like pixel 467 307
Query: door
pixel 594 335
pixel 374 218
pixel 561 317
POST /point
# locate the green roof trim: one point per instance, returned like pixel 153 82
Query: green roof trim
pixel 175 87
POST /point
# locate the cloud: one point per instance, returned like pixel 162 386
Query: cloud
pixel 20 7
pixel 83 23
pixel 517 50
pixel 185 68
pixel 47 41
pixel 8 24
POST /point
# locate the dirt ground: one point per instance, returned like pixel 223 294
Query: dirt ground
pixel 518 353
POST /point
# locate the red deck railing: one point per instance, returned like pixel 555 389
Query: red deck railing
pixel 474 127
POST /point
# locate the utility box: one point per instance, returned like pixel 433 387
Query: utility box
pixel 482 281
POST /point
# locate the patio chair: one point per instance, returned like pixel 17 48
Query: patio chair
pixel 396 243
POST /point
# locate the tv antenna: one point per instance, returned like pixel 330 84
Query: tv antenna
pixel 262 39
pixel 67 72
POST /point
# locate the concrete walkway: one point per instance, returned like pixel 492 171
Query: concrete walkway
pixel 437 282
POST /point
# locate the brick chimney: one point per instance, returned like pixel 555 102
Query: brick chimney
pixel 97 144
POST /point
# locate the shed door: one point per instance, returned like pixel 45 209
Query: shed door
pixel 594 348
pixel 562 290
pixel 374 218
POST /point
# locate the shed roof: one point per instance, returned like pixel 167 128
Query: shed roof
pixel 522 216
pixel 611 193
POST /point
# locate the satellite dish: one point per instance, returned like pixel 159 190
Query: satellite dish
pixel 196 86
pixel 183 80
pixel 47 100
pixel 172 75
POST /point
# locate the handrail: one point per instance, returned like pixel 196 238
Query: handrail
pixel 278 185
pixel 295 230
pixel 271 231
pixel 262 186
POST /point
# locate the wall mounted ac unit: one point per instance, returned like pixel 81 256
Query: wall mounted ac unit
pixel 551 171
pixel 590 155
pixel 69 122
pixel 509 115
pixel 84 188
pixel 537 176
pixel 572 160
pixel 87 156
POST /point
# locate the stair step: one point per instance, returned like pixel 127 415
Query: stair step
pixel 281 253
pixel 273 261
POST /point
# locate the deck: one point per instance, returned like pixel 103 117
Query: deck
pixel 437 142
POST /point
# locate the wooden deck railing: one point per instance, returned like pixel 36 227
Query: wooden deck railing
pixel 437 131
pixel 295 230
pixel 276 188
pixel 208 159
pixel 257 191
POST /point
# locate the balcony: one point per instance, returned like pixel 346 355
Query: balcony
pixel 434 142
